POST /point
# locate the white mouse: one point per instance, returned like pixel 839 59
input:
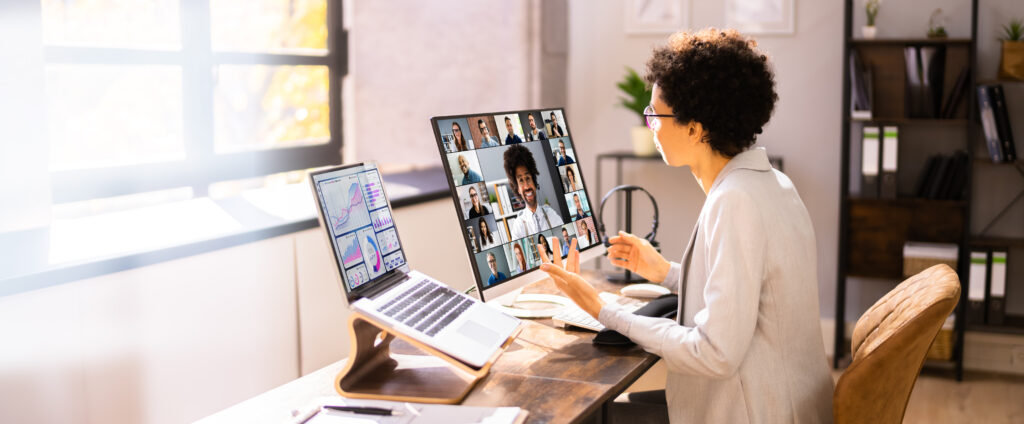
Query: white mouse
pixel 644 290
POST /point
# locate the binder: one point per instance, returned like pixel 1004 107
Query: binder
pixel 914 92
pixel 869 163
pixel 933 73
pixel 997 288
pixel 956 96
pixel 1003 123
pixel 890 149
pixel 988 124
pixel 977 280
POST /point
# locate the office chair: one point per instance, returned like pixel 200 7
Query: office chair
pixel 889 346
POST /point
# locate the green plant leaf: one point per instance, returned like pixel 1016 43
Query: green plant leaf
pixel 637 94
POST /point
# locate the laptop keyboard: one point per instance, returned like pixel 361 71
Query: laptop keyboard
pixel 429 307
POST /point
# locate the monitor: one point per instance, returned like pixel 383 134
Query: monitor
pixel 516 182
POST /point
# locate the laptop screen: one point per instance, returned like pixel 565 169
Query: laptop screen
pixel 516 181
pixel 357 216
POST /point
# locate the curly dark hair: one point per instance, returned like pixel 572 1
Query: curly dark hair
pixel 515 157
pixel 719 79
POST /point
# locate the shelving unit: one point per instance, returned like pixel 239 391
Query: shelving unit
pixel 874 230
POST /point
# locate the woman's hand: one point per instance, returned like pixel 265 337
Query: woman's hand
pixel 568 279
pixel 637 255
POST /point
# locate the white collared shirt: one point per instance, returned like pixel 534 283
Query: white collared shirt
pixel 529 222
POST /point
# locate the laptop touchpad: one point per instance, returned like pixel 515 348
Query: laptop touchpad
pixel 479 333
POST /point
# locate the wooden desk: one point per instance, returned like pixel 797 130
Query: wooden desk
pixel 558 375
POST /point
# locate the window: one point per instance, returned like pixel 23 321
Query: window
pixel 152 96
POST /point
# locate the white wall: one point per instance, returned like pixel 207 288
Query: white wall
pixel 176 341
pixel 804 129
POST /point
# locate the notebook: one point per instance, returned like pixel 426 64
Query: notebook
pixel 355 213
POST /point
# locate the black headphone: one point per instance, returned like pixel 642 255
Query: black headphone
pixel 629 189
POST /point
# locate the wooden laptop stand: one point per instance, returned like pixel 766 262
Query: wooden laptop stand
pixel 373 373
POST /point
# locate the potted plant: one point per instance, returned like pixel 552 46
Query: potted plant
pixel 637 97
pixel 1011 62
pixel 871 8
pixel 937 24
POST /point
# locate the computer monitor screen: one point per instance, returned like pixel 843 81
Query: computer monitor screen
pixel 516 182
pixel 356 213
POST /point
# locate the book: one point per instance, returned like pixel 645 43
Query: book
pixel 977 281
pixel 869 162
pixel 890 149
pixel 986 113
pixel 956 96
pixel 927 175
pixel 1003 123
pixel 954 189
pixel 860 88
pixel 941 172
pixel 914 88
pixel 933 73
pixel 997 288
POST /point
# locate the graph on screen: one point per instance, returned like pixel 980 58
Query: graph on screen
pixel 349 248
pixel 381 219
pixel 374 190
pixel 345 207
pixel 371 252
pixel 357 276
pixel 394 260
pixel 388 241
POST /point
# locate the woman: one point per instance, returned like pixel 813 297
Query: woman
pixel 748 347
pixel 486 239
pixel 459 138
pixel 570 176
pixel 543 242
pixel 584 235
pixel 520 263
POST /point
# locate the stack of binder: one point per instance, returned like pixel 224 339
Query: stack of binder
pixel 986 296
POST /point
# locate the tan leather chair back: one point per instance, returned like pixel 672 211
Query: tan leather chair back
pixel 889 346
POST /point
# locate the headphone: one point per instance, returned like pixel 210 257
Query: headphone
pixel 629 189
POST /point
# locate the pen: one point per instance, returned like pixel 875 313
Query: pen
pixel 366 410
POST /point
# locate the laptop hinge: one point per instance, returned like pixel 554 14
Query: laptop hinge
pixel 395 278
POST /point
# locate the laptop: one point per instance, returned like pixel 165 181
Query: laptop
pixel 355 213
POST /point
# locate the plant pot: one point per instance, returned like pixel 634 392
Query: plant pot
pixel 1011 62
pixel 643 141
pixel 869 32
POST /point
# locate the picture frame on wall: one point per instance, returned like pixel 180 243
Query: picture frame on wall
pixel 656 16
pixel 761 16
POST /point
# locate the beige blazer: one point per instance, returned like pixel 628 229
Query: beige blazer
pixel 749 349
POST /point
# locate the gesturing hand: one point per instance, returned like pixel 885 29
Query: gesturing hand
pixel 568 280
pixel 637 255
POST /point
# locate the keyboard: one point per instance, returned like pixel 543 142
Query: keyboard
pixel 576 317
pixel 429 307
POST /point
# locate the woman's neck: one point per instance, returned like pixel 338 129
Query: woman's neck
pixel 707 168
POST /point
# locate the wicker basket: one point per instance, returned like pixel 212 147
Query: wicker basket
pixel 942 347
pixel 918 256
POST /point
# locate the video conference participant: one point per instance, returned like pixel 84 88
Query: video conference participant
pixel 533 133
pixel 580 214
pixel 563 159
pixel 570 176
pixel 486 139
pixel 487 238
pixel 469 176
pixel 458 138
pixel 521 169
pixel 556 130
pixel 564 241
pixel 542 243
pixel 519 259
pixel 750 333
pixel 477 209
pixel 512 137
pixel 585 236
pixel 492 263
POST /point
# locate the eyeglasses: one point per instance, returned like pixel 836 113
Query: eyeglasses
pixel 652 118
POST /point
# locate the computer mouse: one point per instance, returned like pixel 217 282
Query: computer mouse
pixel 644 290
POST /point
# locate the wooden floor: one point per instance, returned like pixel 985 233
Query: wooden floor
pixel 980 398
